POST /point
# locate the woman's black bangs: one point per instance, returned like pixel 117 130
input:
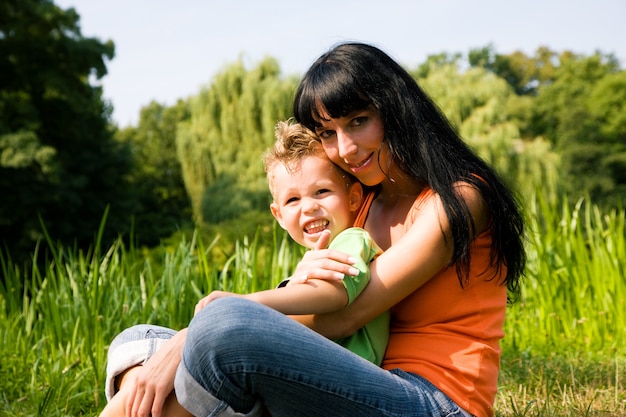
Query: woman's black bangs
pixel 341 97
pixel 333 92
pixel 305 109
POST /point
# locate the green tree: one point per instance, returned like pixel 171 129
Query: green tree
pixel 524 73
pixel 483 108
pixel 220 146
pixel 156 175
pixel 57 156
pixel 435 61
pixel 575 102
pixel 582 113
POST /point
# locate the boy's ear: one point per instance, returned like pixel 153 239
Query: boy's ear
pixel 356 195
pixel 276 213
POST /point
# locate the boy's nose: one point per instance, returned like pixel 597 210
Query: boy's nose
pixel 310 205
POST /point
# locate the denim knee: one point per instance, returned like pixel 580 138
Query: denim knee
pixel 221 338
pixel 133 346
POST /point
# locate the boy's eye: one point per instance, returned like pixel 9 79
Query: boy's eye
pixel 291 200
pixel 325 134
pixel 323 190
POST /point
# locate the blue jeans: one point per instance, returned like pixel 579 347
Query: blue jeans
pixel 239 354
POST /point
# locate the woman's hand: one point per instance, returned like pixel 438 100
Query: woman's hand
pixel 212 297
pixel 154 382
pixel 322 263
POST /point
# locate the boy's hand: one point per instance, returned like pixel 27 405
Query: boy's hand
pixel 211 297
pixel 321 243
pixel 322 263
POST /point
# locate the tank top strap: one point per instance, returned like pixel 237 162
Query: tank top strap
pixel 361 216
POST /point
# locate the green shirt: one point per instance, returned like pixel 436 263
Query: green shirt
pixel 370 341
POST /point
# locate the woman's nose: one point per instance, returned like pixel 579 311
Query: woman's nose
pixel 346 146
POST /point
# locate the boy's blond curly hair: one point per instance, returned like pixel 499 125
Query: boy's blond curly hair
pixel 293 143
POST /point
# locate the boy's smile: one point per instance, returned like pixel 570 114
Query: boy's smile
pixel 311 196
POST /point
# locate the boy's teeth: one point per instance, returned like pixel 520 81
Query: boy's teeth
pixel 317 226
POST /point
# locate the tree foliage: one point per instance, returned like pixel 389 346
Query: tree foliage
pixel 583 114
pixel 478 104
pixel 156 178
pixel 58 161
pixel 550 121
pixel 231 124
pixel 576 103
pixel 525 74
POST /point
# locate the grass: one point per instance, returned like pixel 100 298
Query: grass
pixel 564 353
pixel 574 293
pixel 561 384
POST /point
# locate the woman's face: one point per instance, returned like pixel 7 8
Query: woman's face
pixel 355 143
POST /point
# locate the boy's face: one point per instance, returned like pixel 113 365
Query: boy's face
pixel 313 198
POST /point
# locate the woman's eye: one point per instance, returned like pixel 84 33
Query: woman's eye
pixel 358 121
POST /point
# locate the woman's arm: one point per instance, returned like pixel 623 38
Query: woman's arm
pixel 404 267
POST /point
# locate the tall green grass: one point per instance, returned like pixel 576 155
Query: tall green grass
pixel 58 319
pixel 565 345
pixel 564 351
pixel 573 298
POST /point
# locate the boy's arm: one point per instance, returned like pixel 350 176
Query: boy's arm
pixel 320 296
pixel 312 297
pixel 317 296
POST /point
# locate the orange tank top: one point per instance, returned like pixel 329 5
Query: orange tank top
pixel 448 334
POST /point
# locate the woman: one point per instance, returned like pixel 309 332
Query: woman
pixel 452 236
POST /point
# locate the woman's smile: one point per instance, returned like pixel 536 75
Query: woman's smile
pixel 356 167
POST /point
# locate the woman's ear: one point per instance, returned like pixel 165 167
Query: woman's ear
pixel 356 196
pixel 277 215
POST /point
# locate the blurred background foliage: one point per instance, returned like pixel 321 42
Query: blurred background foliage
pixel 552 122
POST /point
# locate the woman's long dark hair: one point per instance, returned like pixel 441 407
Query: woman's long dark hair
pixel 353 76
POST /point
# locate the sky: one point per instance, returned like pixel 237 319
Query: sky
pixel 166 50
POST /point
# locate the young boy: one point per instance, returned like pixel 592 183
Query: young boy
pixel 313 196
